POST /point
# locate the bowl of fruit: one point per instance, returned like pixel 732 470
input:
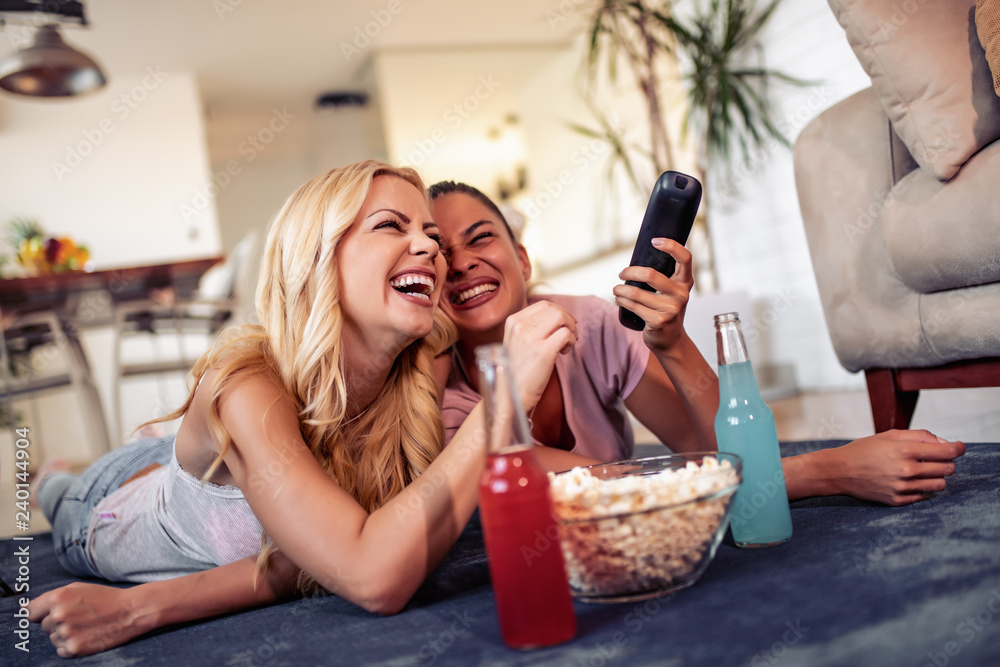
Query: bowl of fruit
pixel 39 253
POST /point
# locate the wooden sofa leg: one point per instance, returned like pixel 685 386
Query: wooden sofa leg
pixel 891 407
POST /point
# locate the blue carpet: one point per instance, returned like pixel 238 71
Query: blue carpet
pixel 859 584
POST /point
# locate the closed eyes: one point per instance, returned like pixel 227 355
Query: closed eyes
pixel 473 241
pixel 398 226
pixel 394 224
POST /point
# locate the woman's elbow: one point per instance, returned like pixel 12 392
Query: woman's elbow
pixel 387 605
pixel 380 585
pixel 381 598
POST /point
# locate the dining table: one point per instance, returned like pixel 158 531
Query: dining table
pixel 859 583
pixel 64 291
pixel 61 304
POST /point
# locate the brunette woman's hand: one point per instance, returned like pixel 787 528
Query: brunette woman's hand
pixel 83 619
pixel 662 310
pixel 535 336
pixel 895 468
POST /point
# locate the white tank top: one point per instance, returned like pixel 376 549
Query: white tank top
pixel 169 523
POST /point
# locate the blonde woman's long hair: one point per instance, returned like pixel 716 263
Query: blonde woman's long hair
pixel 375 454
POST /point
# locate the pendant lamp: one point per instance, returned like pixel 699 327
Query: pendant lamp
pixel 50 68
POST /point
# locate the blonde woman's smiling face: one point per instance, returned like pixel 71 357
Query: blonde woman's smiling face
pixel 390 264
pixel 487 271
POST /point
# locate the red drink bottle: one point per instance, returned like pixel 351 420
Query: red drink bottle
pixel 532 595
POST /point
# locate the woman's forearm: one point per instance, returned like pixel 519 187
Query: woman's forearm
pixel 894 468
pixel 697 387
pixel 811 474
pixel 222 590
pixel 403 541
pixel 557 460
pixel 84 618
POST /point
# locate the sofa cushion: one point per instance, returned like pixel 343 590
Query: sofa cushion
pixel 930 72
pixel 988 27
pixel 943 236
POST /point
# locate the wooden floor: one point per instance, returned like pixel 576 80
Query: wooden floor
pixel 970 415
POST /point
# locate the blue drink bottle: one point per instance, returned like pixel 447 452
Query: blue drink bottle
pixel 744 425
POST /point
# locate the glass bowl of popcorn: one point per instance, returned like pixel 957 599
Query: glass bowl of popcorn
pixel 642 528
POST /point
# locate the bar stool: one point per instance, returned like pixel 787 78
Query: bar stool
pixel 41 334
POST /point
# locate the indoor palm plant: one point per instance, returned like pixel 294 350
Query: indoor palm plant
pixel 715 47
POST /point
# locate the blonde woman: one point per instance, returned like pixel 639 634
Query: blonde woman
pixel 321 424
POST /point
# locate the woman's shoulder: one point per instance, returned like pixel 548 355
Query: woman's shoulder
pixel 237 393
pixel 235 378
pixel 241 375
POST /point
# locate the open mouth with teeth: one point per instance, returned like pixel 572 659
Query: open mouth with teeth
pixel 414 284
pixel 459 298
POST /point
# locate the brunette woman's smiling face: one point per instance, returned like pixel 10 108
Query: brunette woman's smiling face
pixel 487 271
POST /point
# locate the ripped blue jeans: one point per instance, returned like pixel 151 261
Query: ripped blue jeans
pixel 68 500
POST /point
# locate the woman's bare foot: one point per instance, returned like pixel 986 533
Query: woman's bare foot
pixel 48 467
pixel 150 431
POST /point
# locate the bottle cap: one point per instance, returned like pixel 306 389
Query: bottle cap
pixel 727 317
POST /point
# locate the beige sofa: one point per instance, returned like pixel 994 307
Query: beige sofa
pixel 899 187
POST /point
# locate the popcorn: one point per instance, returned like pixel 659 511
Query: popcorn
pixel 637 533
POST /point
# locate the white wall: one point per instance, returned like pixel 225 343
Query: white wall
pixel 572 209
pixel 755 220
pixel 457 113
pixel 113 169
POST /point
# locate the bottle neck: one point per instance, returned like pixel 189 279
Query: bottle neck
pixel 729 344
pixel 506 424
pixel 736 377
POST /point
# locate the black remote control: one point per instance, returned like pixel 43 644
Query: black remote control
pixel 670 214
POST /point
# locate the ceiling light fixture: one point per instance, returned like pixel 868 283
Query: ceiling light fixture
pixel 49 67
pixel 342 98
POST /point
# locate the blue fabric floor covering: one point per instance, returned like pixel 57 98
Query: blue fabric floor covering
pixel 859 584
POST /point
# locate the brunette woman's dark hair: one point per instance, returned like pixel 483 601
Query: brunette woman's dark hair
pixel 448 187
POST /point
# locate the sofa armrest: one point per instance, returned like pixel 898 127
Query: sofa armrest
pixel 946 236
pixel 843 175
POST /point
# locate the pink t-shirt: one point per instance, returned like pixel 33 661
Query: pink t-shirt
pixel 603 369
